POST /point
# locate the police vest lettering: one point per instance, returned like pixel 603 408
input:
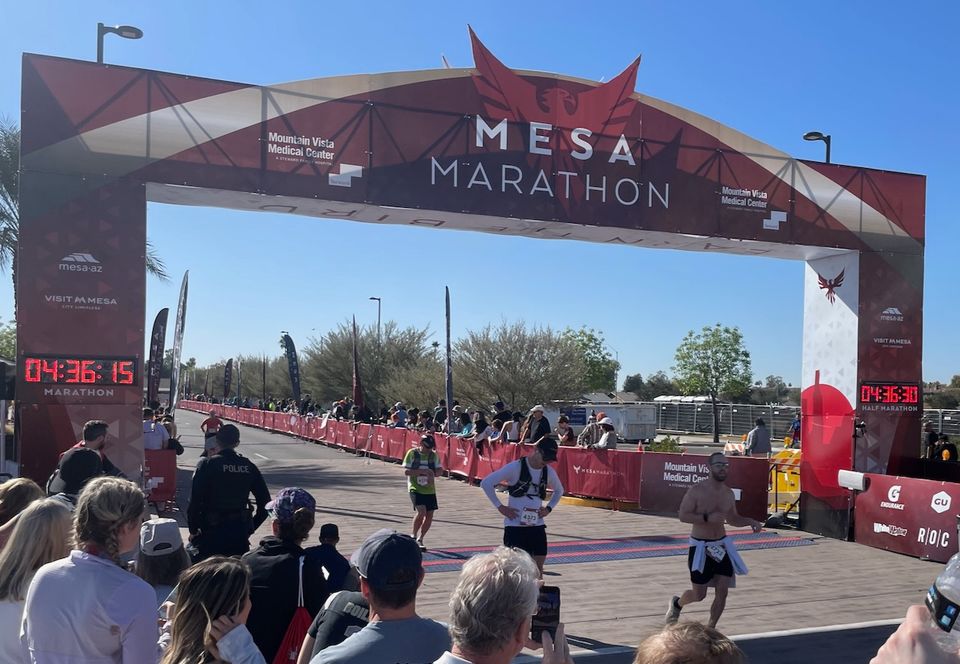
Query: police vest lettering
pixel 235 468
pixel 522 487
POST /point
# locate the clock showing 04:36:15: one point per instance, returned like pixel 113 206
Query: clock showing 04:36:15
pixel 61 370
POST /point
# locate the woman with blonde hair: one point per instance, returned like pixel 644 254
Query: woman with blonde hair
pixel 87 607
pixel 207 624
pixel 40 536
pixel 15 495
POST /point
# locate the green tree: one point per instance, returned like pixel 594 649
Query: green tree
pixel 8 341
pixel 713 362
pixel 658 385
pixel 955 381
pixel 518 366
pixel 326 363
pixel 633 383
pixel 600 367
pixel 946 400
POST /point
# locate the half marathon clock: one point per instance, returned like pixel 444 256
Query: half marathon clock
pixel 67 370
pixel 890 396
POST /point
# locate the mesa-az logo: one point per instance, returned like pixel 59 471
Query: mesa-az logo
pixel 79 262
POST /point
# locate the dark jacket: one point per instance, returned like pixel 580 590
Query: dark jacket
pixel 333 561
pixel 274 588
pixel 538 430
pixel 222 484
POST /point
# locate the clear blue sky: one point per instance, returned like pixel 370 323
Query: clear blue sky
pixel 880 77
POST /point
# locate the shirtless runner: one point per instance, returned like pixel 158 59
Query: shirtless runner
pixel 713 559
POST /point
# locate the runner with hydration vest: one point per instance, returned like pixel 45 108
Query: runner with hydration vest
pixel 422 465
pixel 527 480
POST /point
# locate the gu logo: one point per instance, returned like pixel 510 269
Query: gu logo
pixel 940 502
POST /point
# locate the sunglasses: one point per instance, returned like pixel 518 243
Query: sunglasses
pixel 722 464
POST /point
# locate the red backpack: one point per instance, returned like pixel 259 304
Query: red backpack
pixel 296 631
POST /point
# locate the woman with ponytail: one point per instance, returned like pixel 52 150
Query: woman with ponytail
pixel 207 623
pixel 87 607
pixel 276 567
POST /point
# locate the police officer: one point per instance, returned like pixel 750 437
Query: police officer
pixel 219 516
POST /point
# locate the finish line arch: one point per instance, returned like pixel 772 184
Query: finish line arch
pixel 486 149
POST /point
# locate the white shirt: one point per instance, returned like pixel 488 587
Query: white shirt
pixel 450 658
pixel 11 613
pixel 510 475
pixel 607 441
pixel 155 435
pixel 85 610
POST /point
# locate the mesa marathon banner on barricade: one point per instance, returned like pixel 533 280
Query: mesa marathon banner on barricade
pixel 907 515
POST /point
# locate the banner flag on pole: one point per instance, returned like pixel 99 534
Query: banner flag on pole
pixel 178 343
pixel 239 378
pixel 449 379
pixel 264 377
pixel 227 378
pixel 357 387
pixel 293 366
pixel 155 362
pixel 206 384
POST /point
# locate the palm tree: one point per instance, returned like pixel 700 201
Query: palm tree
pixel 10 207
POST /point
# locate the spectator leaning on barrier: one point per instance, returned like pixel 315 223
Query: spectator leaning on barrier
pixel 155 435
pixel 590 434
pixel 76 468
pixel 95 438
pixel 491 610
pixel 608 435
pixel 536 427
pixel 391 570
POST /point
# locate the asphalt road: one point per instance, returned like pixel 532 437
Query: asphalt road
pixel 363 495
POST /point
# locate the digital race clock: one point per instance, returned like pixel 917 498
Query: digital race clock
pixel 59 370
pixel 890 393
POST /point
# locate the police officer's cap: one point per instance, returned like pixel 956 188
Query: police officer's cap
pixel 228 434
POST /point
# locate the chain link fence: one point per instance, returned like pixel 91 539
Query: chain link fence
pixel 737 419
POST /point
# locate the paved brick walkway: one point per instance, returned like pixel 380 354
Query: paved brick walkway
pixel 609 602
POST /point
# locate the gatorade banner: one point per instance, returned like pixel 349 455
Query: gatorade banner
pixel 906 515
pixel 154 364
pixel 178 342
pixel 227 378
pixel 292 365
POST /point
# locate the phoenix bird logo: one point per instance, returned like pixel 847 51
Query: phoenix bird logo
pixel 831 285
pixel 604 110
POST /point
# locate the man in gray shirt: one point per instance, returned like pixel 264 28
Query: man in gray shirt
pixel 391 570
pixel 758 440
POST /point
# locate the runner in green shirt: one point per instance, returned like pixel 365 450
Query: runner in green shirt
pixel 422 465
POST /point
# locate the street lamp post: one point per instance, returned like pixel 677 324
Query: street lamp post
pixel 819 136
pixel 378 318
pixel 125 31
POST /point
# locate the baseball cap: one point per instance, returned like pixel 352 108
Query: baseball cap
pixel 536 408
pixel 76 468
pixel 329 531
pixel 288 501
pixel 428 440
pixel 228 434
pixel 159 537
pixel 389 560
pixel 399 404
pixel 606 420
pixel 548 449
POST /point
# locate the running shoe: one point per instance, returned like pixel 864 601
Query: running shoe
pixel 673 611
pixel 421 544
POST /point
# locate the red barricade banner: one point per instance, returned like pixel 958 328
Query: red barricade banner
pixel 907 515
pixel 600 473
pixel 495 457
pixel 665 478
pixel 443 449
pixel 397 443
pixel 363 435
pixel 160 475
pixel 462 458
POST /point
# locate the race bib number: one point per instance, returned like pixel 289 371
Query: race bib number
pixel 423 480
pixel 716 551
pixel 529 517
